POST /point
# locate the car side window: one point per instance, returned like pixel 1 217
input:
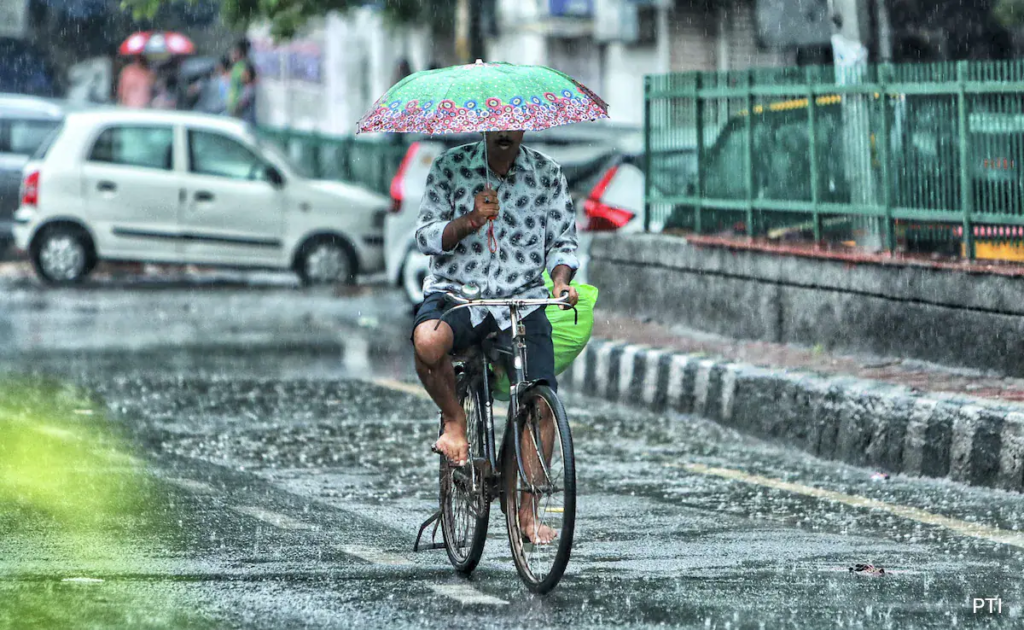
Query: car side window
pixel 145 147
pixel 219 156
pixel 27 135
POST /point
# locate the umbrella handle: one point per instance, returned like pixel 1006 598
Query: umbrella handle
pixel 492 242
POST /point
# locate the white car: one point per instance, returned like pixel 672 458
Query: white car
pixel 583 153
pixel 184 188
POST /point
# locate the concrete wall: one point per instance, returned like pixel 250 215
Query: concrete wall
pixel 950 317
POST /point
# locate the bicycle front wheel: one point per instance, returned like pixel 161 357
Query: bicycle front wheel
pixel 540 490
pixel 465 508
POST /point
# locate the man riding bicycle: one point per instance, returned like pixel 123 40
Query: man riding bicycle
pixel 530 225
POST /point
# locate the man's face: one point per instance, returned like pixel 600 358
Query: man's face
pixel 504 145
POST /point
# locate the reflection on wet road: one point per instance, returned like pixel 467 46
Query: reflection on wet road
pixel 216 456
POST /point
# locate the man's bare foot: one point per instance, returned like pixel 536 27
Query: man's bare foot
pixel 538 533
pixel 452 443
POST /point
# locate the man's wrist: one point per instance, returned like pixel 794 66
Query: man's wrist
pixel 562 274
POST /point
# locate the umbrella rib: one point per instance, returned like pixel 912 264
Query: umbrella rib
pixel 437 107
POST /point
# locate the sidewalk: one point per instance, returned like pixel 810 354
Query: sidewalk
pixel 884 413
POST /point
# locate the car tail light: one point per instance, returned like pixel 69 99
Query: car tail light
pixel 396 183
pixel 30 189
pixel 605 218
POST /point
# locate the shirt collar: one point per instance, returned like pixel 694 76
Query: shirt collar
pixel 520 163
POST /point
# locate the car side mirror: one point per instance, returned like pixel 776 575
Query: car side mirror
pixel 275 177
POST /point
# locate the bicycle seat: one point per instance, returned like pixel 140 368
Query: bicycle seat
pixel 466 355
pixel 493 349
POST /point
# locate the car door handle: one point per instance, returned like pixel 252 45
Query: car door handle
pixel 106 186
pixel 204 195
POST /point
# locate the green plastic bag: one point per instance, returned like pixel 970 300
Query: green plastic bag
pixel 568 336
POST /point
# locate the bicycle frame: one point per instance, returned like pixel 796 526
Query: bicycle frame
pixel 517 383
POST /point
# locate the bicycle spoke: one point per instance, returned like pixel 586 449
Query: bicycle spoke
pixel 542 506
pixel 464 514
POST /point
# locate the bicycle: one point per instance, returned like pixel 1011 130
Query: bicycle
pixel 515 475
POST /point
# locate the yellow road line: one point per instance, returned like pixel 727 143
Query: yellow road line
pixel 419 392
pixel 963 528
pixel 408 388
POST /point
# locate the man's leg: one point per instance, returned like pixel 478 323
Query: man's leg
pixel 434 367
pixel 540 364
pixel 433 341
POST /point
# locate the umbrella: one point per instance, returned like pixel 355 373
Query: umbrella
pixel 483 97
pixel 157 44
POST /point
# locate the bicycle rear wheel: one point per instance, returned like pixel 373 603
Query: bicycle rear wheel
pixel 465 508
pixel 547 494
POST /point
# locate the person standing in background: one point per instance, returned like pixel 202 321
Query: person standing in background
pixel 213 91
pixel 245 108
pixel 135 84
pixel 239 71
pixel 166 96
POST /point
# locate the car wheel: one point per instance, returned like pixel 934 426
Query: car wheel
pixel 327 260
pixel 414 272
pixel 63 254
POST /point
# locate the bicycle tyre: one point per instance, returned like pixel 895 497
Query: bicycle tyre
pixel 464 542
pixel 544 583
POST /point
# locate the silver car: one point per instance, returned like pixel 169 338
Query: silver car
pixel 25 123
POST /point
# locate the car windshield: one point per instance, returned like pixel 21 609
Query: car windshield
pixel 47 142
pixel 275 152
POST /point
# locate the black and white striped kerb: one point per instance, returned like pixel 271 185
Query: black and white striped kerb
pixel 866 423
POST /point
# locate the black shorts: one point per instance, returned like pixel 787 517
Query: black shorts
pixel 540 352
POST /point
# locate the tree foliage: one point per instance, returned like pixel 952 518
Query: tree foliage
pixel 287 17
pixel 955 29
pixel 1010 13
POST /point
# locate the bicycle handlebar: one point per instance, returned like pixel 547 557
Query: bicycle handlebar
pixel 464 303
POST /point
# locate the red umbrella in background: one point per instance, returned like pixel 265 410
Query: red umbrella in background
pixel 153 43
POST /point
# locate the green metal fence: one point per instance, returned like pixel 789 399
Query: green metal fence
pixel 368 163
pixel 905 155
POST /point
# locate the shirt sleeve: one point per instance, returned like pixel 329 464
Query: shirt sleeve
pixel 436 211
pixel 561 242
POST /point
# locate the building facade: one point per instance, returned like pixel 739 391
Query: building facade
pixel 325 79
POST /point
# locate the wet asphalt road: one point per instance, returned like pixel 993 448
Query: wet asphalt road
pixel 214 454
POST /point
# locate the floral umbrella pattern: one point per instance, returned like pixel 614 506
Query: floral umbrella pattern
pixel 157 43
pixel 483 97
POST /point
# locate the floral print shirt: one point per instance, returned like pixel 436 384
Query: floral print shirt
pixel 535 228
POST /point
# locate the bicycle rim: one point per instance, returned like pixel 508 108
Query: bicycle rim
pixel 551 502
pixel 464 508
